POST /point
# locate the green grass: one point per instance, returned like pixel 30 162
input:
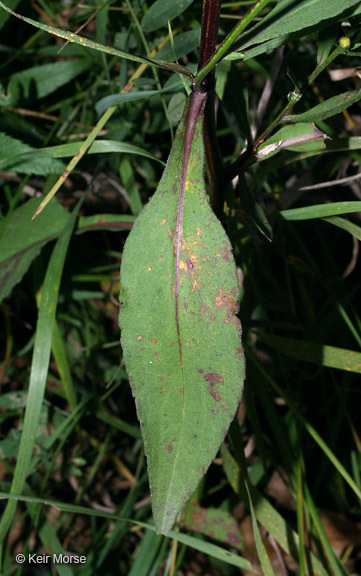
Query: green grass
pixel 284 493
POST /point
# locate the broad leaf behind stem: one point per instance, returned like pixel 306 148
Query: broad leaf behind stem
pixel 180 336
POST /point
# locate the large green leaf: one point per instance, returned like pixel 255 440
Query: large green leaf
pixel 181 339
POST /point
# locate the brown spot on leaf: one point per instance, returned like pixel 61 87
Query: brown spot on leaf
pixel 164 389
pixel 181 390
pixel 169 447
pixel 233 539
pixel 164 221
pixel 154 341
pixel 213 317
pixel 224 300
pixel 139 338
pixel 198 231
pixel 212 378
pixel 214 411
pixel 214 394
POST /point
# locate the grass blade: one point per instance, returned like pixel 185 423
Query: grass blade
pixel 315 352
pixel 200 545
pixel 321 211
pixel 39 367
pixel 76 39
pixel 88 142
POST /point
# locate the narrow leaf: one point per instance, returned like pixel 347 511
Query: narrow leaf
pixel 328 108
pixel 118 99
pixel 350 227
pixel 315 352
pixel 190 541
pixel 39 366
pixel 321 210
pixel 181 339
pixel 296 15
pixel 71 37
pixel 98 147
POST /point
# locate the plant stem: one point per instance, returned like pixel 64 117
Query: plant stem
pixel 214 162
pixel 230 39
pixel 209 31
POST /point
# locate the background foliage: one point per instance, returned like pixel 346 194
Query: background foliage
pixel 296 438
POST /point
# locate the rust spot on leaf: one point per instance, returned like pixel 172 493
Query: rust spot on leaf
pixel 214 411
pixel 169 447
pixel 139 338
pixel 214 394
pixel 224 300
pixel 164 389
pixel 149 268
pixel 164 221
pixel 213 317
pixel 154 341
pixel 198 231
pixel 212 377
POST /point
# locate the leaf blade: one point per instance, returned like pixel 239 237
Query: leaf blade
pixel 183 351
